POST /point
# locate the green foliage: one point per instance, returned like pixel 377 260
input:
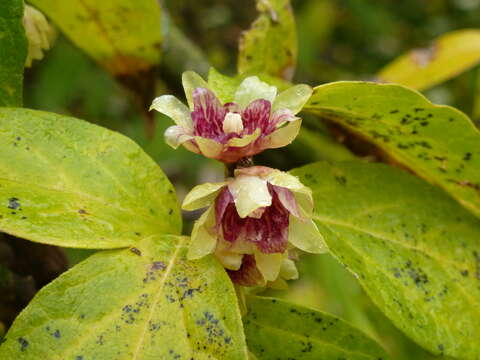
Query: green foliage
pixel 66 182
pixel 122 35
pixel 446 57
pixel 146 302
pixel 13 52
pixel 270 46
pixel 413 249
pixel 276 329
pixel 409 129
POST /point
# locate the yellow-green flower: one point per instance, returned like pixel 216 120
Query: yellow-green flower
pixel 256 120
pixel 254 223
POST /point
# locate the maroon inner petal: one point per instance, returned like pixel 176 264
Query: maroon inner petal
pixel 248 274
pixel 208 114
pixel 257 115
pixel 269 233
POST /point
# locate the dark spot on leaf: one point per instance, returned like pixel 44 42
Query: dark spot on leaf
pixel 23 343
pixel 136 251
pixel 82 211
pixel 56 334
pixel 13 203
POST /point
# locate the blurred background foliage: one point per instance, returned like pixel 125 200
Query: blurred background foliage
pixel 338 40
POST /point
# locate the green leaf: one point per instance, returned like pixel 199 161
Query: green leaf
pixel 270 46
pixel 146 302
pixel 438 143
pixel 448 56
pixel 13 50
pixel 276 329
pixel 122 35
pixel 413 249
pixel 66 182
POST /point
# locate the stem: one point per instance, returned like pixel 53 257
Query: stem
pixel 240 164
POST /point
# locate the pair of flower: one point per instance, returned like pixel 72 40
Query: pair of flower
pixel 256 220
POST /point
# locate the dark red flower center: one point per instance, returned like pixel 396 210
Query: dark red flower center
pixel 269 232
pixel 208 116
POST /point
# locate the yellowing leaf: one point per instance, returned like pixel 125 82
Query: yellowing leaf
pixel 448 56
pixel 439 143
pixel 66 182
pixel 276 329
pixel 122 35
pixel 413 249
pixel 270 46
pixel 143 303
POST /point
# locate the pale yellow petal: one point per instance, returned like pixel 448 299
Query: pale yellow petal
pixel 283 136
pixel 191 81
pixel 175 109
pixel 302 193
pixel 203 237
pixel 293 98
pixel 304 235
pixel 279 284
pixel 269 264
pixel 208 147
pixel 288 270
pixel 252 88
pixel 229 257
pixel 245 140
pixel 249 194
pixel 202 195
pixel 175 136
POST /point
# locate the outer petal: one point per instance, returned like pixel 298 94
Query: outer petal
pixel 288 200
pixel 252 89
pixel 282 136
pixel 302 194
pixel 282 116
pixel 249 194
pixel 288 270
pixel 176 136
pixel 231 255
pixel 191 81
pixel 244 140
pixel 269 264
pixel 293 98
pixel 248 274
pixel 203 236
pixel 304 235
pixel 202 195
pixel 285 180
pixel 175 109
pixel 208 147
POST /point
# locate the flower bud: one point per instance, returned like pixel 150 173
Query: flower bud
pixel 39 34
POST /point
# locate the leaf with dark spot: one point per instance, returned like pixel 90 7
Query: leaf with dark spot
pixel 80 185
pixel 127 318
pixel 413 248
pixel 270 45
pixel 414 142
pixel 276 329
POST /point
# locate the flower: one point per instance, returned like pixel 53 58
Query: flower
pixel 256 120
pixel 40 34
pixel 254 223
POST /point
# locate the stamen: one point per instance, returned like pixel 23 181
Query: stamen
pixel 232 123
